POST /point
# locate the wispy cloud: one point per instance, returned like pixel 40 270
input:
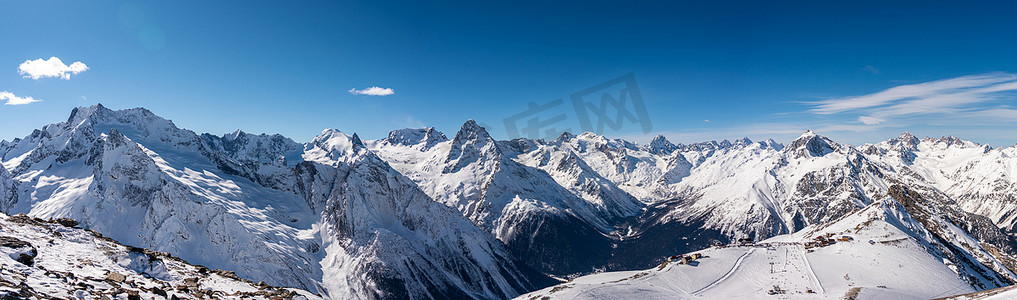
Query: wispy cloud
pixel 15 100
pixel 872 69
pixel 372 91
pixel 928 97
pixel 961 98
pixel 52 67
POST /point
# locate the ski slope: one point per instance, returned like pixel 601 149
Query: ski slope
pixel 897 264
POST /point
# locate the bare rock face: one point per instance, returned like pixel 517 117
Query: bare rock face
pixel 67 222
pixel 19 250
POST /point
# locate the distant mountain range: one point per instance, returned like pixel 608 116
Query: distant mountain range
pixel 419 215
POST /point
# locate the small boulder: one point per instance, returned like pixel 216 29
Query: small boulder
pixel 116 277
pixel 67 222
pixel 227 274
pixel 191 282
pixel 158 291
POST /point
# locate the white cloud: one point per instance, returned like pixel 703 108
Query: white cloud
pixel 53 67
pixel 15 100
pixel 867 120
pixel 372 91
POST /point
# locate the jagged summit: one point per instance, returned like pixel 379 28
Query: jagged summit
pixel 99 114
pixel 660 145
pixel 906 144
pixel 955 141
pixel 808 133
pixel 238 134
pixel 356 140
pixel 773 144
pixel 811 144
pixel 564 137
pixel 338 143
pixel 471 129
pixel 333 147
pixel 427 137
pixel 471 144
pixel 908 139
pixel 242 136
pixel 471 133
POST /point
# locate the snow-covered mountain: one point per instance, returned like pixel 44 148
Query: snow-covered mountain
pixel 418 215
pixel 544 223
pixel 138 178
pixel 377 224
pixel 326 216
pixel 982 179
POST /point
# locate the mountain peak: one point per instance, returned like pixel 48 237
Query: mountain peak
pixel 660 145
pixel 80 113
pixel 139 124
pixel 416 136
pixel 239 134
pixel 565 136
pixel 356 140
pixel 908 139
pixel 471 143
pixel 472 126
pixel 337 142
pixel 951 140
pixel 811 144
pixel 471 131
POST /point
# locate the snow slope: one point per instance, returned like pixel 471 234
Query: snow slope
pixel 902 261
pixel 44 259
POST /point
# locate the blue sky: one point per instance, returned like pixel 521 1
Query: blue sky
pixel 856 72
